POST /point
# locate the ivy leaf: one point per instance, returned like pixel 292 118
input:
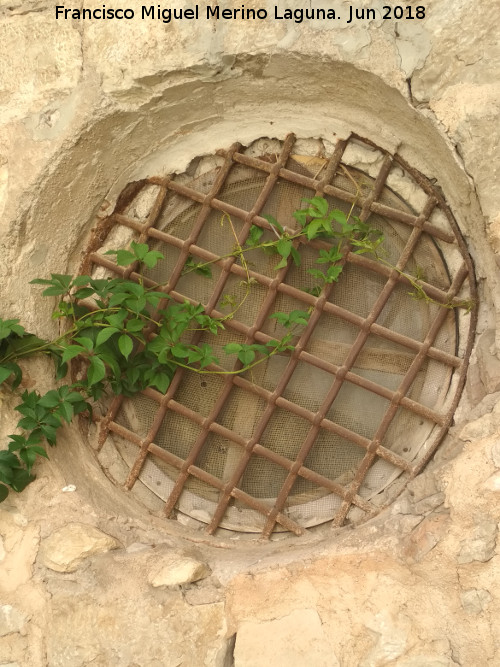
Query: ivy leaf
pixel 131 287
pixel 55 290
pixel 61 368
pixel 152 258
pixel 232 348
pixel 200 268
pixel 62 279
pixel 50 399
pixel 301 217
pixel 16 371
pixel 140 250
pixel 9 327
pixel 41 281
pixel 83 293
pixel 296 256
pixel 329 256
pixel 6 473
pixel 179 351
pixel 71 352
pixel 316 273
pixel 34 438
pixel 340 217
pixel 87 343
pixel 299 317
pixel 135 325
pixel 313 228
pixel 137 305
pixel 254 236
pixel 123 257
pixel 4 373
pixel 126 345
pixel 117 319
pixel 7 458
pixel 105 334
pixel 59 284
pixel 96 371
pixel 161 381
pixel 293 318
pixel 260 348
pixel 154 298
pixel 8 464
pixel 30 399
pixel 73 397
pixel 194 354
pixel 4 492
pixel 284 247
pixel 28 423
pixel 29 454
pixel 274 223
pixel 39 450
pixel 320 206
pixel 246 356
pixel 207 356
pixel 112 362
pixel 281 318
pixel 65 410
pixel 327 227
pixel 80 281
pixel 333 273
pixel 20 480
pixel 25 344
pixel 281 264
pixel 17 442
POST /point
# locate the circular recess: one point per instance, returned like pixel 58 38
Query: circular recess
pixel 333 428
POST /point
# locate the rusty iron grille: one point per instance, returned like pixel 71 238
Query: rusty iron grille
pixel 333 430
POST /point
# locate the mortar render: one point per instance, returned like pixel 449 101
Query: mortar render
pixel 85 107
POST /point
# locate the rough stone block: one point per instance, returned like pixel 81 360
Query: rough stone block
pixel 292 641
pixel 203 595
pixel 474 600
pixel 423 486
pixel 425 537
pixel 480 546
pixel 430 503
pixel 121 623
pixel 392 639
pixel 177 571
pixel 492 483
pixel 69 546
pixel 482 427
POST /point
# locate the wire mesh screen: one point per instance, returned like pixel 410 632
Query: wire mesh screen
pixel 332 429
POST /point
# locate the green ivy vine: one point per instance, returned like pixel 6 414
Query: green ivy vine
pixel 127 341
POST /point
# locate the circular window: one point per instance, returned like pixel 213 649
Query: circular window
pixel 332 428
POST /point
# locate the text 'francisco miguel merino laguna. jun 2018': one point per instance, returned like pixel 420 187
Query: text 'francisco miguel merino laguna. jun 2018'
pixel 348 13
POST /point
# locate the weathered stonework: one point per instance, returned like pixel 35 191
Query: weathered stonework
pixel 67 548
pixel 86 107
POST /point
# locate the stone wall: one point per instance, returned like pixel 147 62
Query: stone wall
pixel 89 576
